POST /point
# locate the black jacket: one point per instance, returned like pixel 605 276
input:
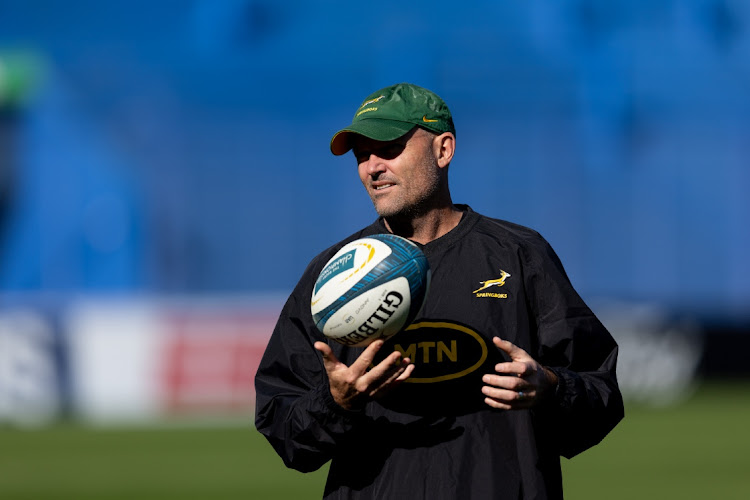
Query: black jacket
pixel 434 437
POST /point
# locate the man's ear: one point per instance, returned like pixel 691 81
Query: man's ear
pixel 444 148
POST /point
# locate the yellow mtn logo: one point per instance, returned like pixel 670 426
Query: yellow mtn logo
pixel 441 350
pixel 479 292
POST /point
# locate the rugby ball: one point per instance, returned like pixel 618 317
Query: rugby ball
pixel 371 288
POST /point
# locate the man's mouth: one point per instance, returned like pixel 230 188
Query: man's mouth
pixel 382 186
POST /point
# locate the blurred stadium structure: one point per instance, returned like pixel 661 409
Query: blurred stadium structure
pixel 165 178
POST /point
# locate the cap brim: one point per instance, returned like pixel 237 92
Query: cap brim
pixel 374 128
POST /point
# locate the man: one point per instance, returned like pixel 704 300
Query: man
pixel 505 370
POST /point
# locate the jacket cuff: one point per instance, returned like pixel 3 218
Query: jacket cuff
pixel 558 397
pixel 336 408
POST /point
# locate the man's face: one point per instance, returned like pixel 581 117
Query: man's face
pixel 401 176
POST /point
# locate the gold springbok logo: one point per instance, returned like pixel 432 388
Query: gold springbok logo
pixel 496 282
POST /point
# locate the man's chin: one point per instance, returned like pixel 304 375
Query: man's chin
pixel 384 209
pixel 396 214
pixel 398 210
pixel 387 211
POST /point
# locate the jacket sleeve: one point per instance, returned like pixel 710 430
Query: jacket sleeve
pixel 294 407
pixel 574 344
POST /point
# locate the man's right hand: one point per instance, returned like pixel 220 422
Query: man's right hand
pixel 352 386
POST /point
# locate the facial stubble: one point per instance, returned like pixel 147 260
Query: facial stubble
pixel 403 207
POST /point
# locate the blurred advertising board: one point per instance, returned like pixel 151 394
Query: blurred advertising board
pixel 137 359
pixel 660 354
pixel 107 360
pixel 130 359
pixel 31 368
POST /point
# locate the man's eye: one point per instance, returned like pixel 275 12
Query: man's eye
pixel 361 156
pixel 387 152
pixel 392 151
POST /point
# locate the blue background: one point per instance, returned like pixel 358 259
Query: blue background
pixel 181 147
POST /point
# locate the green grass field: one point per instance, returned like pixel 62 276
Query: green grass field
pixel 695 450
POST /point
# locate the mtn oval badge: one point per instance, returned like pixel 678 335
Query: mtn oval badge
pixel 440 350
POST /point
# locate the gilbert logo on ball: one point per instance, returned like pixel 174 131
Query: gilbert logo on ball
pixel 371 288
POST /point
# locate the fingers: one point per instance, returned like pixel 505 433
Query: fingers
pixel 330 361
pixel 508 383
pixel 509 401
pixel 363 362
pixel 512 350
pixel 358 367
pixel 388 371
pixel 324 348
pixel 520 359
pixel 391 379
pixel 508 393
pixel 407 372
pixel 517 369
pixel 349 384
pixel 513 385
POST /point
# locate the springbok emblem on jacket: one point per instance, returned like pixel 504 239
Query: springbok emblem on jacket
pixel 496 282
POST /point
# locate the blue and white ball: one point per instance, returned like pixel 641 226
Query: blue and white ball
pixel 371 288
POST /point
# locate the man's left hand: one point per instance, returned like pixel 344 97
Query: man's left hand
pixel 519 383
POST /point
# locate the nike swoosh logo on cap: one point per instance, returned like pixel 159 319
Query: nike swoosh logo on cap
pixel 424 119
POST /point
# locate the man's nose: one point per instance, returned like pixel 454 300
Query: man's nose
pixel 374 164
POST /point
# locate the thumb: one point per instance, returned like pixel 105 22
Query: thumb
pixel 512 350
pixel 330 361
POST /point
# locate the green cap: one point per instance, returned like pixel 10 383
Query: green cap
pixel 391 112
